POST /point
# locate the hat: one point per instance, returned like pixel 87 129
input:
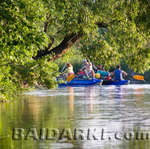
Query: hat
pixel 84 61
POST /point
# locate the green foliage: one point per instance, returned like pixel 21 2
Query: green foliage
pixel 126 36
pixel 20 30
pixel 15 78
pixel 21 35
pixel 36 72
pixel 73 56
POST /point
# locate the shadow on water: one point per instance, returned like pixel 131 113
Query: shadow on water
pixel 114 116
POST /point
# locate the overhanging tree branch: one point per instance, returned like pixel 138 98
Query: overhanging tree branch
pixel 59 50
pixel 67 42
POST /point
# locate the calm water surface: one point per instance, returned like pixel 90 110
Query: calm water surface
pixel 114 116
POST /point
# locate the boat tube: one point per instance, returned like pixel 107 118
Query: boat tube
pixel 111 82
pixel 78 82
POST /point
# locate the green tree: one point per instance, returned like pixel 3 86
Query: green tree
pixel 109 31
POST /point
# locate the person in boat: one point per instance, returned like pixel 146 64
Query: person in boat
pixel 118 74
pixel 88 69
pixel 81 74
pixel 69 69
pixel 104 74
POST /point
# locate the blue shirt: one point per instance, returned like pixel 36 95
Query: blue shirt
pixel 118 75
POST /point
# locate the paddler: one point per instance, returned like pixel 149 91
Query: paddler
pixel 88 69
pixel 118 74
pixel 70 69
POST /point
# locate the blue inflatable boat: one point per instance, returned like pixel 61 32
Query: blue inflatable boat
pixel 77 82
pixel 110 82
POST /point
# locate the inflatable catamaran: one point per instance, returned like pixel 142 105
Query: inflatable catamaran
pixel 76 82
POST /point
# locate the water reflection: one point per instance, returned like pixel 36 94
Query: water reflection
pixel 109 108
pixel 71 99
pixel 89 97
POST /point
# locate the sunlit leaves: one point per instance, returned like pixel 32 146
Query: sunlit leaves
pixel 20 31
pixel 126 34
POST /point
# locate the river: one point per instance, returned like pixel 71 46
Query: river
pixel 106 117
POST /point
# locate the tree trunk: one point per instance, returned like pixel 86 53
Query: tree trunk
pixel 59 50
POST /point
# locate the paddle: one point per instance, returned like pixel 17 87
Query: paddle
pixel 138 77
pixel 63 68
pixel 70 77
pixel 61 75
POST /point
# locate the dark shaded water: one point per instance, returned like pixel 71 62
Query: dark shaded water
pixel 104 117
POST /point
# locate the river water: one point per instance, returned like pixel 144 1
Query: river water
pixel 99 117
